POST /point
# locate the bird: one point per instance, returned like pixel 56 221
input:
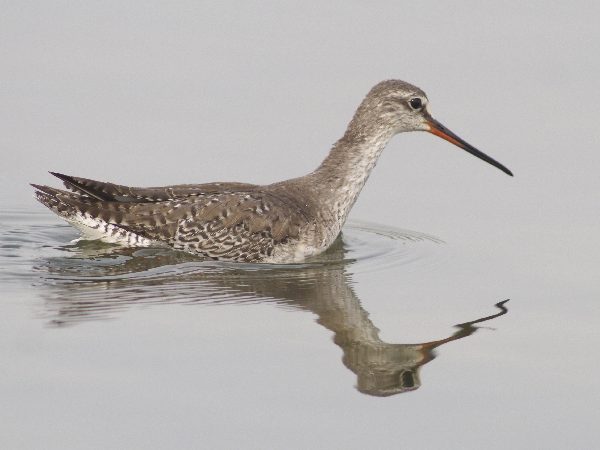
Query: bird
pixel 284 222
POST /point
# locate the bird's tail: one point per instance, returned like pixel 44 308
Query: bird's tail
pixel 65 204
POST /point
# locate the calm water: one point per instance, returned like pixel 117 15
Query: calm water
pixel 148 342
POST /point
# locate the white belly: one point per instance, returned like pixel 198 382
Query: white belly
pixel 93 228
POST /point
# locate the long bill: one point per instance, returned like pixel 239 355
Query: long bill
pixel 440 130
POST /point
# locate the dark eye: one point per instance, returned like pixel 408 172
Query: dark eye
pixel 415 103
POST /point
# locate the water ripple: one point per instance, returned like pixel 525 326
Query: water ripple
pixel 91 279
pixel 34 241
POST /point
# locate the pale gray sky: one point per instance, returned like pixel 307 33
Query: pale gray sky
pixel 150 93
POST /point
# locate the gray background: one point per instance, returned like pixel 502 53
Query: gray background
pixel 152 93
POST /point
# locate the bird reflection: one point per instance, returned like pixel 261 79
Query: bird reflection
pixel 96 283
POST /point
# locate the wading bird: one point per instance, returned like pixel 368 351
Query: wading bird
pixel 283 222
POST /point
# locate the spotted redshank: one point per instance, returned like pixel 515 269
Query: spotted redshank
pixel 283 222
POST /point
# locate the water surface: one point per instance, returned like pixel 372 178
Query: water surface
pixel 89 321
pixel 69 283
pixel 104 297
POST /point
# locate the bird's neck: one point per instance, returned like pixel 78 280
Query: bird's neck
pixel 342 175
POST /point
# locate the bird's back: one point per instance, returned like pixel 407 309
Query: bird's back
pixel 227 221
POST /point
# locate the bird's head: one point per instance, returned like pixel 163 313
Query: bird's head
pixel 396 106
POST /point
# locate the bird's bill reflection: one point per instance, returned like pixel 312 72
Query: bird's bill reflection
pixel 387 369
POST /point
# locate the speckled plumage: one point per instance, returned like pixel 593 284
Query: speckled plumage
pixel 277 223
pixel 239 222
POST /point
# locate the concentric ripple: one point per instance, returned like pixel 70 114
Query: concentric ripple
pixel 33 240
pixel 90 279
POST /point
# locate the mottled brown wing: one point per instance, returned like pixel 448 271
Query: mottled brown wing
pixel 241 226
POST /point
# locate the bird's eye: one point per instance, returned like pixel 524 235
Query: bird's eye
pixel 415 103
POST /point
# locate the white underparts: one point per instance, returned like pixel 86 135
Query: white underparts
pixel 93 228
